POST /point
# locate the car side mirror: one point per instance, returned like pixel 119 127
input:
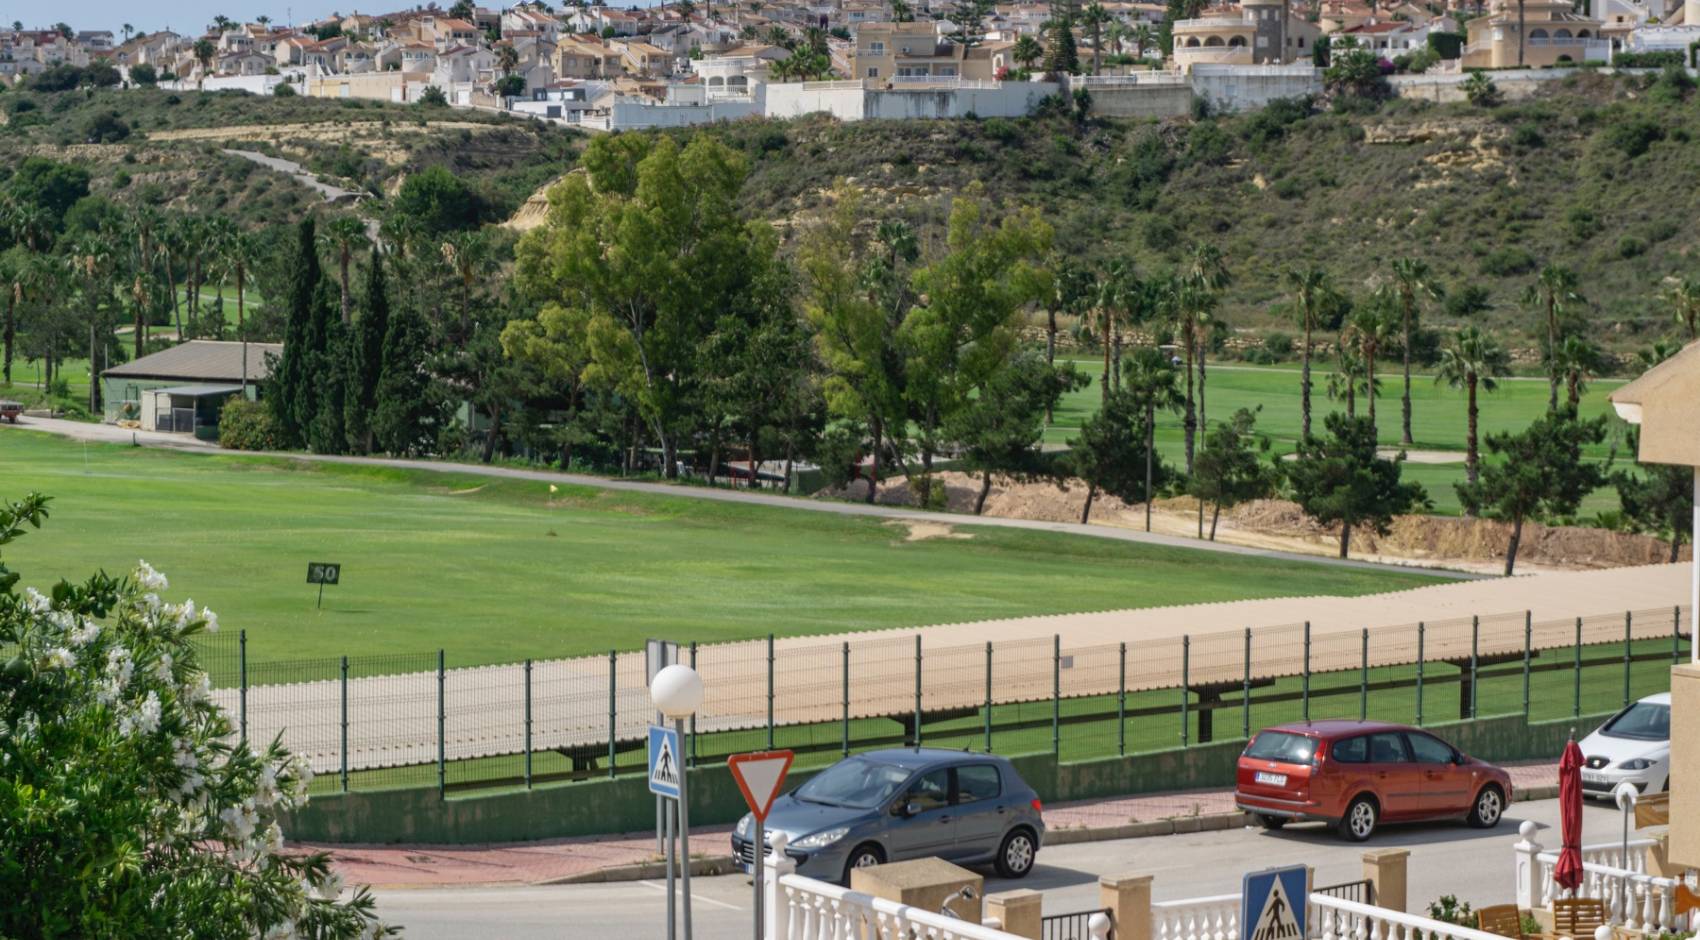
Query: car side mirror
pixel 909 809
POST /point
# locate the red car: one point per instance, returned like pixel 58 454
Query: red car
pixel 1355 775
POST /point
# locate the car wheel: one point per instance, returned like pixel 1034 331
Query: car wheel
pixel 1488 809
pixel 1360 820
pixel 863 856
pixel 1017 854
pixel 1272 823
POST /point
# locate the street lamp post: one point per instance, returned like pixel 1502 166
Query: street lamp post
pixel 677 692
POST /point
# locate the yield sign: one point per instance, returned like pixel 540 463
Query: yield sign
pixel 760 776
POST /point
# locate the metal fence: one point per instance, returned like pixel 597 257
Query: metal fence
pixel 373 722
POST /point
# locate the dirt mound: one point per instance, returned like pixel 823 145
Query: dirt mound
pixel 1275 523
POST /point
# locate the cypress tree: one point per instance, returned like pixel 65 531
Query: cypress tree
pixel 327 434
pixel 366 359
pixel 291 369
pixel 1061 56
pixel 408 414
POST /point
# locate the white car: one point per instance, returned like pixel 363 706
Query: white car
pixel 1633 746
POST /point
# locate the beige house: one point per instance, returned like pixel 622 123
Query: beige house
pixel 578 57
pixel 1665 402
pixel 904 52
pixel 1252 33
pixel 1556 34
pixel 641 58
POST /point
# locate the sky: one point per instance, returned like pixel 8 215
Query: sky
pixel 190 16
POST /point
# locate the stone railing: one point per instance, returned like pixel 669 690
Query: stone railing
pixel 1633 898
pixel 1211 918
pixel 1339 919
pixel 799 908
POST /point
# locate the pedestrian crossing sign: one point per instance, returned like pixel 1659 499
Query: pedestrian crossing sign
pixel 1272 905
pixel 664 767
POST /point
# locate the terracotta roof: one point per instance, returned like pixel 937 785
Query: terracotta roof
pixel 201 360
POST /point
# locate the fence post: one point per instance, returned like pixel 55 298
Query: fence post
pixel 1245 692
pixel 1307 672
pixel 528 724
pixel 845 703
pixel 917 690
pixel 1576 709
pixel 242 668
pixel 1422 632
pixel 442 710
pixel 693 747
pixel 613 709
pixel 1628 642
pixel 1363 681
pixel 1121 701
pixel 1056 694
pixel 1529 655
pixel 988 696
pixel 345 724
pixel 1186 685
pixel 770 691
pixel 1475 659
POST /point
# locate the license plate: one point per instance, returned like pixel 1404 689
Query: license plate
pixel 1274 780
pixel 1593 778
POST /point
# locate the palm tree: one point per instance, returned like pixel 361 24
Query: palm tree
pixel 1348 377
pixel 238 253
pixel 204 50
pixel 128 31
pixel 1143 38
pixel 263 20
pixel 1473 360
pixel 1113 299
pixel 1661 350
pixel 88 259
pixel 1094 17
pixel 1207 272
pixel 1553 291
pixel 1370 328
pixel 1026 51
pixel 467 254
pixel 507 59
pixel 1415 280
pixel 1684 298
pixel 1308 286
pixel 1149 377
pixel 344 235
pixel 901 11
pixel 1577 361
pixel 1189 305
pixel 142 228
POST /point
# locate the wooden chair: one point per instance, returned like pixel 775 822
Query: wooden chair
pixel 1577 918
pixel 1503 919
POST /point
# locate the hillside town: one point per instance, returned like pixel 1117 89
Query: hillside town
pixel 608 68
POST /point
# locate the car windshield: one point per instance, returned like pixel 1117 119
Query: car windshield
pixel 1643 721
pixel 856 783
pixel 1282 746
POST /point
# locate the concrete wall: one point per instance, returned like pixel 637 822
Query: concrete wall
pixel 1240 87
pixel 842 100
pixel 1142 101
pixel 631 115
pixel 851 101
pixel 625 805
pixel 1513 85
pixel 1685 766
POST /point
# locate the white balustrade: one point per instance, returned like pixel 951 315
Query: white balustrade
pixel 1211 918
pixel 1633 898
pixel 799 908
pixel 1339 919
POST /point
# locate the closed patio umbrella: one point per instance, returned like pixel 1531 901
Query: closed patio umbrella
pixel 1568 872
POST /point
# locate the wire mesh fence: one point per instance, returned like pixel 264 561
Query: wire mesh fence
pixel 412 720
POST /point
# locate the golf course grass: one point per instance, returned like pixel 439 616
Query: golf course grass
pixel 1437 417
pixel 500 570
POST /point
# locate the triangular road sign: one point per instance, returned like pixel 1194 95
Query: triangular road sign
pixel 760 776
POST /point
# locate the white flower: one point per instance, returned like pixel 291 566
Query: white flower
pixel 36 602
pixel 60 658
pixel 283 931
pixel 211 619
pixel 162 669
pixel 85 633
pixel 144 720
pixel 239 821
pixel 149 579
pixel 197 690
pixel 274 839
pixel 185 614
pixel 331 888
pixel 265 788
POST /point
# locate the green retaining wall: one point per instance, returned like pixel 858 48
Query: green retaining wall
pixel 625 804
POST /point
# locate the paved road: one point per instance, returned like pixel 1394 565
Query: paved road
pixel 1445 859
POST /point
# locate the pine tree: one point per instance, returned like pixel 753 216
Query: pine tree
pixel 408 414
pixel 365 360
pixel 1061 57
pixel 291 371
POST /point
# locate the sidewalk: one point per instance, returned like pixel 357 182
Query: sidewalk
pixel 632 856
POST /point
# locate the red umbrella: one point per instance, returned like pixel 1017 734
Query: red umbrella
pixel 1568 871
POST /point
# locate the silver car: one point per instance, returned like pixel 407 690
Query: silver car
pixel 887 806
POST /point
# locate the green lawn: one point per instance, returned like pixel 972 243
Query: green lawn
pixel 494 571
pixel 1437 416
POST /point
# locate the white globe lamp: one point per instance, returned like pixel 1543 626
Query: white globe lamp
pixel 676 691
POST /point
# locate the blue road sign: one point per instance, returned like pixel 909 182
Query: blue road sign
pixel 664 767
pixel 1272 904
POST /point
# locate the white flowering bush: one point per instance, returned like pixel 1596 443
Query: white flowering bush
pixel 128 807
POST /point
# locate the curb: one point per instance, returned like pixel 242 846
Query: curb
pixel 709 865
